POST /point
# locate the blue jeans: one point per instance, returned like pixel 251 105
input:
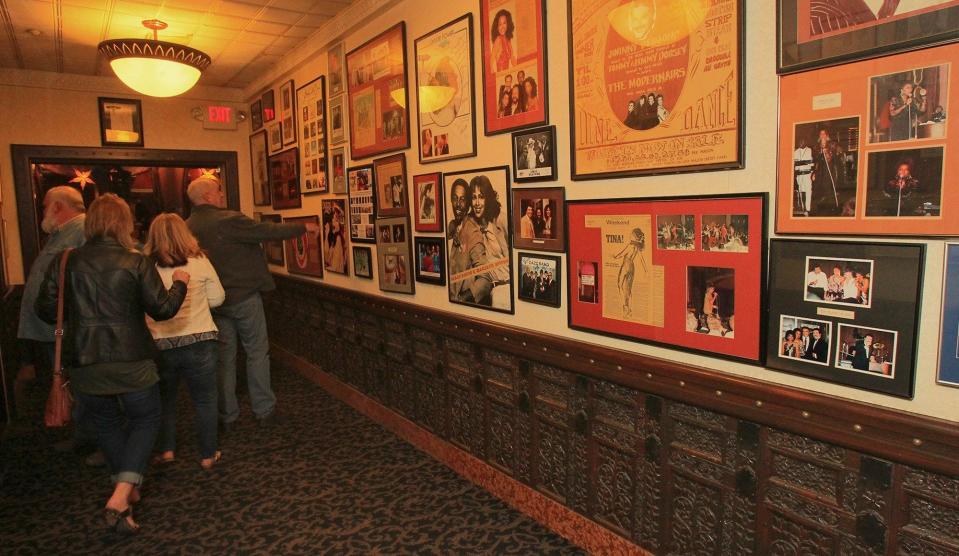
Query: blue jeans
pixel 126 436
pixel 195 363
pixel 245 321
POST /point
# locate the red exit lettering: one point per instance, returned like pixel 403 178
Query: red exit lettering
pixel 220 114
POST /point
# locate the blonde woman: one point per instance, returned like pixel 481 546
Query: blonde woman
pixel 187 342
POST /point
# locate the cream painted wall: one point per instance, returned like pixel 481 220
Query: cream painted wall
pixel 39 108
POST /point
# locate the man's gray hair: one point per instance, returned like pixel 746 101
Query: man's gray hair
pixel 199 188
pixel 67 195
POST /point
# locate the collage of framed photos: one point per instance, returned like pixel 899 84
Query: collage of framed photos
pixel 864 150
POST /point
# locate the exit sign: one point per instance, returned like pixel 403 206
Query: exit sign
pixel 219 117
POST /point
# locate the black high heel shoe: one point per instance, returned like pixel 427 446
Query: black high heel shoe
pixel 117 521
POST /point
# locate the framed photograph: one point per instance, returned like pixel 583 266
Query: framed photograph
pixel 864 147
pixel 362 197
pixel 430 263
pixel 540 279
pixel 256 115
pixel 362 262
pixel 534 155
pixel 394 256
pixel 539 213
pixel 273 249
pixel 641 79
pixel 948 374
pixel 314 161
pixel 336 67
pixel 515 87
pixel 379 99
pixel 337 121
pixel 428 209
pixel 846 313
pixel 269 109
pixel 303 252
pixel 334 237
pixel 288 113
pixel 814 33
pixel 274 133
pixel 338 182
pixel 392 198
pixel 259 164
pixel 284 183
pixel 626 283
pixel 480 257
pixel 444 91
pixel 121 122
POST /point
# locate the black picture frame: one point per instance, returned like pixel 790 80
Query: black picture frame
pixel 878 292
pixel 545 294
pixel 544 154
pixel 115 131
pixel 361 253
pixel 259 169
pixel 256 115
pixel 361 203
pixel 436 246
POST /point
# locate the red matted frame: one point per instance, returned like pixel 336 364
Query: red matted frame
pixel 420 180
pixel 831 97
pixel 529 48
pixel 594 300
pixel 303 252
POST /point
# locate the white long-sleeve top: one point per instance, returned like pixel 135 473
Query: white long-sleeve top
pixel 193 320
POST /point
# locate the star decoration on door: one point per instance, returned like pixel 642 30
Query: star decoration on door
pixel 82 178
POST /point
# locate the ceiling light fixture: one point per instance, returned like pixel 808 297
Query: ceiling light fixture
pixel 153 67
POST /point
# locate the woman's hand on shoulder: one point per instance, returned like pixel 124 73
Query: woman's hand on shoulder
pixel 181 276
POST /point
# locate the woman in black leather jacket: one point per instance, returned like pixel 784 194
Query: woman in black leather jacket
pixel 107 347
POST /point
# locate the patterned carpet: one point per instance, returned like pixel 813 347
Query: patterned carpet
pixel 326 480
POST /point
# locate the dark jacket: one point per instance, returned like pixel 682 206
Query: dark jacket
pixel 232 241
pixel 108 288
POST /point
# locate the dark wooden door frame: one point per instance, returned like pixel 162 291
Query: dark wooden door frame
pixel 24 155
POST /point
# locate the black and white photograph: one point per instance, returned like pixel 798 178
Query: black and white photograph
pixel 867 350
pixel 646 111
pixel 825 168
pixel 909 105
pixel 806 340
pixel 726 232
pixel 337 121
pixel 430 264
pixel 540 279
pixel 363 262
pixel 676 232
pixel 711 301
pixel 905 183
pixel 534 154
pixel 839 281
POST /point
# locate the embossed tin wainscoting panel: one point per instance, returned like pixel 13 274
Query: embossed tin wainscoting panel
pixel 676 460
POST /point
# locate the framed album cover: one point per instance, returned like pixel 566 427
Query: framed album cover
pixel 121 122
pixel 337 121
pixel 288 113
pixel 268 107
pixel 378 96
pixel 540 279
pixel 362 262
pixel 334 238
pixel 284 183
pixel 336 64
pixel 338 183
pixel 256 115
pixel 539 213
pixel 817 33
pixel 303 252
pixel 392 198
pixel 311 103
pixel 515 88
pixel 428 207
pixel 680 272
pixel 259 163
pixel 534 154
pixel 273 249
pixel 949 329
pixel 846 313
pixel 864 148
pixel 362 197
pixel 480 258
pixel 444 91
pixel 394 257
pixel 274 133
pixel 655 88
pixel 430 263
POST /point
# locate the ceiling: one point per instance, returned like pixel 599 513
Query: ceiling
pixel 243 37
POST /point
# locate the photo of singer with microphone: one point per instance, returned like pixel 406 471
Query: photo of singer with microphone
pixel 906 105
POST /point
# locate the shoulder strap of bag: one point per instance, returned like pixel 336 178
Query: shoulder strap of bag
pixel 58 332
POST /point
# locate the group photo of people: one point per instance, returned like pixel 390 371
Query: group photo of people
pixel 867 350
pixel 394 123
pixel 538 279
pixel 533 154
pixel 537 220
pixel 711 300
pixel 805 339
pixel 429 257
pixel 517 88
pixel 840 281
pixel 676 232
pixel 909 105
pixel 646 111
pixel 726 232
pixel 825 168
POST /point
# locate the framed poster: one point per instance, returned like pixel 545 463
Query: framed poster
pixel 121 122
pixel 338 182
pixel 428 210
pixel 949 331
pixel 274 133
pixel 394 259
pixel 515 88
pixel 392 198
pixel 817 33
pixel 430 264
pixel 540 279
pixel 444 91
pixel 273 249
pixel 379 99
pixel 336 65
pixel 655 89
pixel 334 238
pixel 258 166
pixel 362 262
pixel 311 102
pixel 362 197
pixel 534 155
pixel 288 113
pixel 337 121
pixel 303 252
pixel 864 148
pixel 629 277
pixel 539 213
pixel 480 258
pixel 256 115
pixel 846 312
pixel 284 183
pixel 267 103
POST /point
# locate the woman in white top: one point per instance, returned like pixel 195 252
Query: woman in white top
pixel 187 342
